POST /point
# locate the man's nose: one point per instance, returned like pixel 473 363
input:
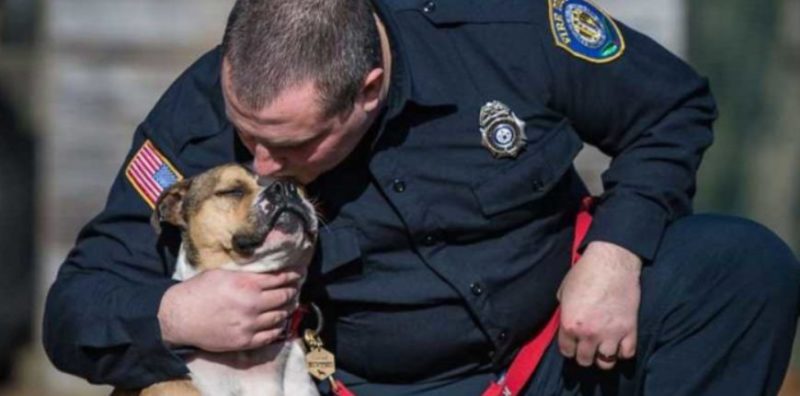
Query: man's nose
pixel 265 163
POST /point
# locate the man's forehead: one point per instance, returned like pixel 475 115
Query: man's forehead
pixel 284 134
pixel 296 101
pixel 293 118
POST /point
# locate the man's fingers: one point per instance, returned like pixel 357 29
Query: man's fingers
pixel 277 298
pixel 255 281
pixel 274 280
pixel 264 338
pixel 606 356
pixel 585 352
pixel 627 348
pixel 567 344
pixel 271 320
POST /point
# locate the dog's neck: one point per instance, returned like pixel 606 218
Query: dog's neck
pixel 183 269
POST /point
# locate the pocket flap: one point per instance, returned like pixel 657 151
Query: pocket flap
pixel 533 174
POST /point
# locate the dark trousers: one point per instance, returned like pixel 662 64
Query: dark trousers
pixel 718 315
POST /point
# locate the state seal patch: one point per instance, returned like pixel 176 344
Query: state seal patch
pixel 585 31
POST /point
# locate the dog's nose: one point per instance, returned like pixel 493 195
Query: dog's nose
pixel 281 191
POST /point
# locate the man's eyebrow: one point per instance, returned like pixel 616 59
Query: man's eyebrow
pixel 294 143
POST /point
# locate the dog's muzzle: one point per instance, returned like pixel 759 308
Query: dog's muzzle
pixel 280 200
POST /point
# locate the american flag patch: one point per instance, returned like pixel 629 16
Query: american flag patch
pixel 150 173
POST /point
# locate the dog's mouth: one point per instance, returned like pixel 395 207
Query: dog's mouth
pixel 287 226
pixel 291 218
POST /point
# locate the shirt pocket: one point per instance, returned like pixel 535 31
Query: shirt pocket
pixel 339 246
pixel 531 175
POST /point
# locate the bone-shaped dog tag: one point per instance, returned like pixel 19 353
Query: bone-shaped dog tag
pixel 320 362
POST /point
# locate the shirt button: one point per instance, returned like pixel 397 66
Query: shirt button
pixel 490 354
pixel 429 240
pixel 429 7
pixel 477 288
pixel 502 336
pixel 398 185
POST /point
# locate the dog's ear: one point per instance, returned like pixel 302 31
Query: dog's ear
pixel 169 208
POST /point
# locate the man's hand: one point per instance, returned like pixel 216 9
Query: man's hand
pixel 220 311
pixel 599 306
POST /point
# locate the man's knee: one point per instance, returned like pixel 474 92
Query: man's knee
pixel 740 251
pixel 721 296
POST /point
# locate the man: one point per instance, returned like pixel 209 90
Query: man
pixel 438 138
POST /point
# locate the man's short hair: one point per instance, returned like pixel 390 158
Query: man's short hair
pixel 272 45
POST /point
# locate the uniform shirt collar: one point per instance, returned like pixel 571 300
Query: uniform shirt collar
pixel 405 87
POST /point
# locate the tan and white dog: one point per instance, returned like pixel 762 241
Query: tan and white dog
pixel 232 219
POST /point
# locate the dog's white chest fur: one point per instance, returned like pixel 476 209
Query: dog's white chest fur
pixel 277 369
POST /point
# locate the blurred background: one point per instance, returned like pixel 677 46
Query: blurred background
pixel 77 76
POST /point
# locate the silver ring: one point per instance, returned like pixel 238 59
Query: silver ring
pixel 606 358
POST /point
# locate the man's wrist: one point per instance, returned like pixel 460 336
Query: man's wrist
pixel 615 255
pixel 166 318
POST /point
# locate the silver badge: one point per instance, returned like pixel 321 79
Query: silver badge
pixel 501 131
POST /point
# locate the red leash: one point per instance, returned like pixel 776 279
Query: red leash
pixel 528 358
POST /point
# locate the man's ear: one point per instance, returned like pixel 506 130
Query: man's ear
pixel 169 208
pixel 372 90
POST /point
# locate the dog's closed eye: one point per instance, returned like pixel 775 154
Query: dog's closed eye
pixel 234 192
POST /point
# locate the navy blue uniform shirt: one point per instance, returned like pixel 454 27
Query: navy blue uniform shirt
pixel 437 259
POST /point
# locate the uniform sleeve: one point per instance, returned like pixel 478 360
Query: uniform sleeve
pixel 652 114
pixel 100 319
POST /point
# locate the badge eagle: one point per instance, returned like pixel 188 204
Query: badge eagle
pixel 585 31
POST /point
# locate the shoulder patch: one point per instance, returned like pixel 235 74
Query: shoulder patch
pixel 585 31
pixel 150 173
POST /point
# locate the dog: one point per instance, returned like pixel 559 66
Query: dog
pixel 232 219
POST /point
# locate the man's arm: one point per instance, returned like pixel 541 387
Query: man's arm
pixel 113 312
pixel 100 318
pixel 652 114
pixel 113 309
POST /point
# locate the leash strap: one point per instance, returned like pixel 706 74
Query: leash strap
pixel 292 329
pixel 529 356
pixel 340 390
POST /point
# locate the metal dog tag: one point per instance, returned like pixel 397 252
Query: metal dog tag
pixel 320 362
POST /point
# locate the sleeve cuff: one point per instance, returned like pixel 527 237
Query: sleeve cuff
pixel 141 323
pixel 629 221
